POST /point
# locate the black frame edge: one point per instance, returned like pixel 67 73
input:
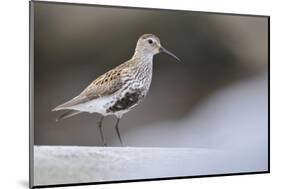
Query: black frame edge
pixel 144 8
pixel 31 96
pixel 150 179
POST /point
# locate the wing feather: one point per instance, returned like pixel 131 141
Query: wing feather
pixel 104 85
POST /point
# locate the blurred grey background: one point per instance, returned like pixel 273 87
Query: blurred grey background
pixel 216 96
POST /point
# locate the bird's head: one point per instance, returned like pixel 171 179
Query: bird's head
pixel 149 44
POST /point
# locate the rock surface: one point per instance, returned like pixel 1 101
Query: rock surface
pixel 76 164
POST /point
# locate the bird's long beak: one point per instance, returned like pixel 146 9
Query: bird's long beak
pixel 162 49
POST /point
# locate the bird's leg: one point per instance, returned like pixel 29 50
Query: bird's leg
pixel 100 129
pixel 117 131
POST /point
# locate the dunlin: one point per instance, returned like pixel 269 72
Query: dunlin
pixel 119 90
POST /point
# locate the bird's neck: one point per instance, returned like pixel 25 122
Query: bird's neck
pixel 143 58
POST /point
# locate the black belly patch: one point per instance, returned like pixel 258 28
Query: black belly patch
pixel 130 99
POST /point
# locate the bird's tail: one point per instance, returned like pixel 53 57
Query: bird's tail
pixel 68 114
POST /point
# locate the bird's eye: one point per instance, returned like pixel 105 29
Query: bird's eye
pixel 150 41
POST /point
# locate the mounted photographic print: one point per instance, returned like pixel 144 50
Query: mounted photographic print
pixel 121 94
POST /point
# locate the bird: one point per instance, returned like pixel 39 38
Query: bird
pixel 120 89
